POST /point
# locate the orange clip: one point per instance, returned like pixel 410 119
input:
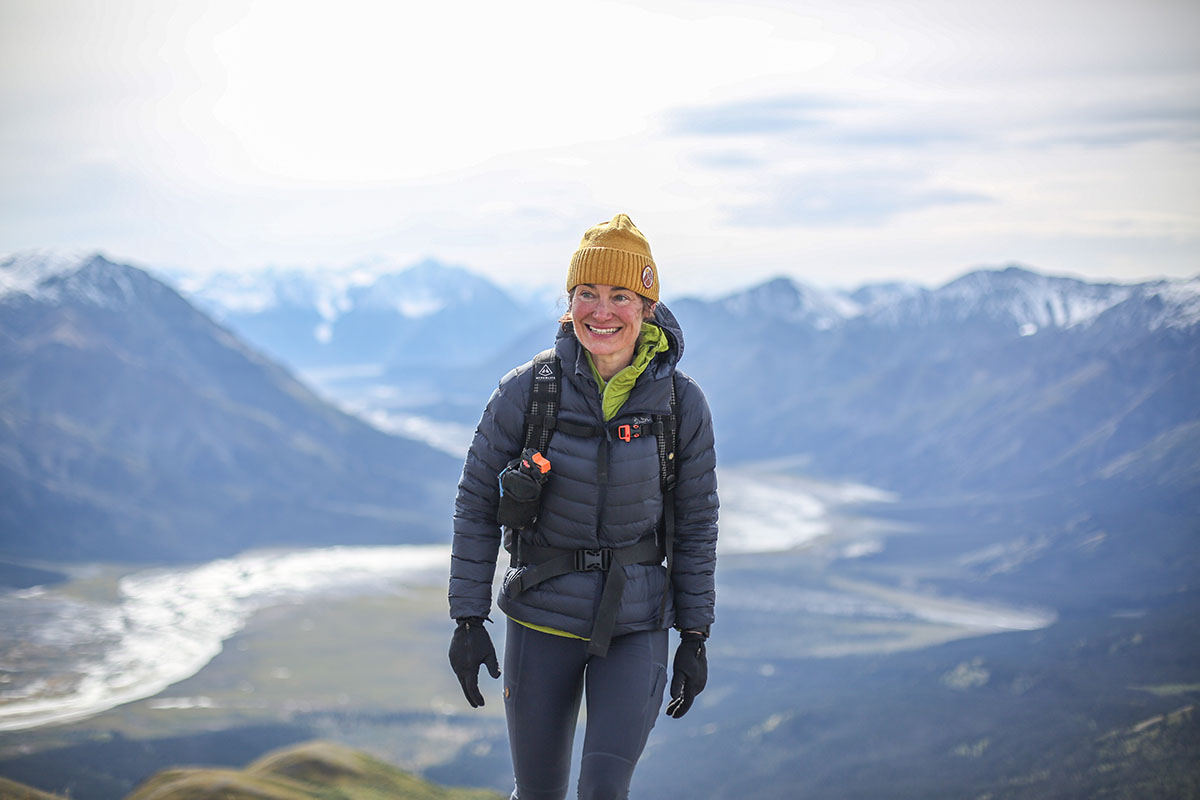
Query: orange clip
pixel 628 433
pixel 543 465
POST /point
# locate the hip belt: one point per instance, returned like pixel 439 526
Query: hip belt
pixel 537 564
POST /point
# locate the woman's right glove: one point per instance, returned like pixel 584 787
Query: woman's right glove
pixel 690 673
pixel 469 647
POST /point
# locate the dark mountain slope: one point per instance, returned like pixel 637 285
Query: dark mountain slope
pixel 1094 706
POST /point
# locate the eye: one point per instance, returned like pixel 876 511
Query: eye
pixel 621 298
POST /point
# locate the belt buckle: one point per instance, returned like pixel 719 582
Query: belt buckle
pixel 593 560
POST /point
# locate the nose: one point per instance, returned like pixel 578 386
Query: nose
pixel 603 309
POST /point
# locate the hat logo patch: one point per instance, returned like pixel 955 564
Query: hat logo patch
pixel 648 277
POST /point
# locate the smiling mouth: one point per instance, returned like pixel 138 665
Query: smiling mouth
pixel 602 331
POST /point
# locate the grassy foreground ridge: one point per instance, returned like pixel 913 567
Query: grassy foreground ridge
pixel 11 790
pixel 317 770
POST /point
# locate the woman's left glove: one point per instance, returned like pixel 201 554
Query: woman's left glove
pixel 470 647
pixel 690 673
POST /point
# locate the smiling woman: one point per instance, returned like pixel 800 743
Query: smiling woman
pixel 623 481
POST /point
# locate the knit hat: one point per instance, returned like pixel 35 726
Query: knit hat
pixel 615 253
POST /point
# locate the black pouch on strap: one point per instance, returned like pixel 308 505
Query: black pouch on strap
pixel 521 485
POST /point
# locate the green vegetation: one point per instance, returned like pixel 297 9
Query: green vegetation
pixel 309 771
pixel 1151 759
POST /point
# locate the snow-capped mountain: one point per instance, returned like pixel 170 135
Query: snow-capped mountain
pixel 52 275
pixel 789 301
pixel 1001 380
pixel 271 288
pixel 133 427
pixel 370 313
pixel 1019 299
pixel 415 291
pixel 423 290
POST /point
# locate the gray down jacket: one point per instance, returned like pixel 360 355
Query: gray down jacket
pixel 580 511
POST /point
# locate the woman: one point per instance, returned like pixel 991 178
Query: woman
pixel 587 593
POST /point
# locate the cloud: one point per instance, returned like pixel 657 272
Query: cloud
pixel 769 115
pixel 1130 121
pixel 215 135
pixel 729 160
pixel 815 120
pixel 904 136
pixel 793 127
pixel 1124 136
pixel 844 199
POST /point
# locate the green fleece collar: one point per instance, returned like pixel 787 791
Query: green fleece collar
pixel 614 392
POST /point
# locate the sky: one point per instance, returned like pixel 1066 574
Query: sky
pixel 835 141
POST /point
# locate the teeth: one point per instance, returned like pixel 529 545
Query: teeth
pixel 601 331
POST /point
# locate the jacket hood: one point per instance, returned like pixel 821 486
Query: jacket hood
pixel 663 318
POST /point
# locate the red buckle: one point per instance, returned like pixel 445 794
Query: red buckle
pixel 627 433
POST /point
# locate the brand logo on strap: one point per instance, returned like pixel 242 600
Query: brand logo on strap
pixel 545 373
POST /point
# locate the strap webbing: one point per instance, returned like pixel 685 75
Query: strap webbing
pixel 667 431
pixel 541 420
pixel 544 563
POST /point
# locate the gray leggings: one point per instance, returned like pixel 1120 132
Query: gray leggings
pixel 545 677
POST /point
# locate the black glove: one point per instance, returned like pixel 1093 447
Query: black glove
pixel 470 647
pixel 690 674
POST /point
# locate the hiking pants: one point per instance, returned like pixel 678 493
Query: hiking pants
pixel 545 677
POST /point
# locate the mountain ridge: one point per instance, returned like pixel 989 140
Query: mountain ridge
pixel 1000 383
pixel 137 428
pixel 920 390
pixel 366 314
pixel 1025 296
pixel 429 286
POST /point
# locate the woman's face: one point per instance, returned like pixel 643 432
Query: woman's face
pixel 607 319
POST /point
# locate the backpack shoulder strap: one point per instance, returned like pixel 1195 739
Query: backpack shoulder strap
pixel 542 415
pixel 666 430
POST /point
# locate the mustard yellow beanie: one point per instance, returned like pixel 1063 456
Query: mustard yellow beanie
pixel 615 253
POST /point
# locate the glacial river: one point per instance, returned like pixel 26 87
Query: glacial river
pixel 63 658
